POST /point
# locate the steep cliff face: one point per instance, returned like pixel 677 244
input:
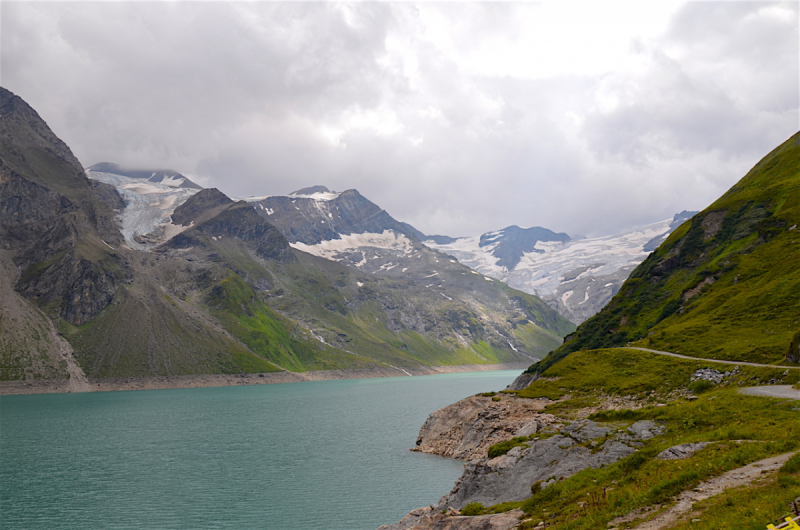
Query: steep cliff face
pixel 61 234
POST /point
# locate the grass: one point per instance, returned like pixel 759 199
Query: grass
pixel 643 375
pixel 501 448
pixel 749 311
pixel 593 497
pixel 656 384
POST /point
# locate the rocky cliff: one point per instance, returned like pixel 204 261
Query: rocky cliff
pixel 544 449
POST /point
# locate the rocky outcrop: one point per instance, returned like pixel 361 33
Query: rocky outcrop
pixel 240 221
pixel 200 207
pixel 465 430
pixel 430 519
pixel 311 220
pixel 580 445
pixel 680 452
pixel 61 234
pixel 522 381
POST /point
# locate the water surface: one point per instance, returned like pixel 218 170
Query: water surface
pixel 323 455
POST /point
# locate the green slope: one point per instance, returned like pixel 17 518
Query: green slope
pixel 725 285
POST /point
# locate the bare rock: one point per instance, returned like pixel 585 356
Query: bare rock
pixel 466 429
pixel 429 519
pixel 680 452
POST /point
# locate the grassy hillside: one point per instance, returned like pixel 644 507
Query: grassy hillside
pixel 725 285
pixel 738 429
pixel 308 313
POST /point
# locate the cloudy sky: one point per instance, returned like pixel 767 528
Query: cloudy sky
pixel 583 117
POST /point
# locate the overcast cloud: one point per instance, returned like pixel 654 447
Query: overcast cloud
pixel 458 118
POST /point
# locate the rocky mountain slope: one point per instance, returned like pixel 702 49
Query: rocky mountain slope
pixel 202 284
pixel 576 277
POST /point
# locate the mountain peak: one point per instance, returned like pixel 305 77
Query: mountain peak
pixel 168 177
pixel 311 190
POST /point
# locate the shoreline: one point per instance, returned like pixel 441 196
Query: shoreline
pixel 61 386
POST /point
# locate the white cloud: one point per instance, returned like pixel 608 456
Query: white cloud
pixel 584 117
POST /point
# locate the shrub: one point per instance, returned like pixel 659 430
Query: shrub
pixel 502 448
pixel 700 386
pixel 473 508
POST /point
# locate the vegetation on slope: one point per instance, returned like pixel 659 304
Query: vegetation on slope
pixel 740 429
pixel 724 285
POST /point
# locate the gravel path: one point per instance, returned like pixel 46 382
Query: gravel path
pixel 737 477
pixel 739 363
pixel 778 391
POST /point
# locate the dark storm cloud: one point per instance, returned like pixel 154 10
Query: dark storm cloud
pixel 446 115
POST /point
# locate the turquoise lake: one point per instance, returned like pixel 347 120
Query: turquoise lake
pixel 320 455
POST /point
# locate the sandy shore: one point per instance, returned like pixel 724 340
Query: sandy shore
pixel 205 380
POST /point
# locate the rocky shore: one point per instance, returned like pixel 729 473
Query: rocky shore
pixel 35 386
pixel 550 449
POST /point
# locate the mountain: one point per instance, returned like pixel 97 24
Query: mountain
pixel 142 209
pixel 576 277
pixel 206 285
pixel 725 285
pixel 165 177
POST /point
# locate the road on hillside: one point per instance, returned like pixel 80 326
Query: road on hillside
pixel 779 391
pixel 740 363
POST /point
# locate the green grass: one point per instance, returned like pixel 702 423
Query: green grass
pixel 720 415
pixel 750 311
pixel 647 376
pixel 501 448
pixel 593 497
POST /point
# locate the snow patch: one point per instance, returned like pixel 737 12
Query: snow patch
pixel 336 249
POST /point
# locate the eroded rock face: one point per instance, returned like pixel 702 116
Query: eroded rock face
pixel 580 445
pixel 466 429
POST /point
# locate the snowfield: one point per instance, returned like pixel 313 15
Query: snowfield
pixel 542 272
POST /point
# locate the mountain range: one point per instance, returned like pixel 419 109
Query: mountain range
pixel 575 276
pixel 134 273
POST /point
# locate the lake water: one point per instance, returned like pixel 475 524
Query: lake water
pixel 323 455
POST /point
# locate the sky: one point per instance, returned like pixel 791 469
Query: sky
pixel 460 118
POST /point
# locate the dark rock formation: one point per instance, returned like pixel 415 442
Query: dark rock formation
pixel 201 206
pixel 62 235
pixel 311 221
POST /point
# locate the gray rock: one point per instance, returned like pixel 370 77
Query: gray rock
pixel 585 430
pixel 428 519
pixel 522 381
pixel 645 429
pixel 509 478
pixel 532 427
pixel 680 452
